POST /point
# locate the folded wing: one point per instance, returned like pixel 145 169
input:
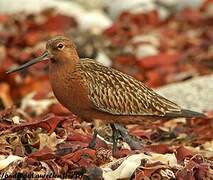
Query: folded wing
pixel 117 93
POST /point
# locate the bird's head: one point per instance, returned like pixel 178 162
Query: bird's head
pixel 59 50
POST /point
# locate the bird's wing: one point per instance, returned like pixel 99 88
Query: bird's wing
pixel 117 93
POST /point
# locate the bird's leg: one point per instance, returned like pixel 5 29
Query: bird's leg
pixel 93 141
pixel 114 138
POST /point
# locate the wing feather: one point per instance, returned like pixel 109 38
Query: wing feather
pixel 114 92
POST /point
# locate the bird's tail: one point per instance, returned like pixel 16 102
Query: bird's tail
pixel 186 113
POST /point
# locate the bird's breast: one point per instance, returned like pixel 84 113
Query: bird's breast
pixel 70 91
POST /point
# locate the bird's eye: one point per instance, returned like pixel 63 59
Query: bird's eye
pixel 60 46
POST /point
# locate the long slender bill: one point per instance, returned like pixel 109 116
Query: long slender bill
pixel 43 57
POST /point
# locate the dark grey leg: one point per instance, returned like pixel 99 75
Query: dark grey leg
pixel 92 143
pixel 114 139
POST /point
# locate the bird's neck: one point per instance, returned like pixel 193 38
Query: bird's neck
pixel 59 73
pixel 63 65
pixel 62 78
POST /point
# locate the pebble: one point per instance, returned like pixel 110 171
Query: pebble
pixel 103 59
pixel 146 50
pixel 116 7
pixel 195 94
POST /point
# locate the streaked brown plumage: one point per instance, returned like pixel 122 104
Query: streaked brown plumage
pixel 116 93
pixel 93 91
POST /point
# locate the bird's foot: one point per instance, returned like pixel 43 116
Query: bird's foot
pixel 119 131
pixel 92 143
pixel 132 141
